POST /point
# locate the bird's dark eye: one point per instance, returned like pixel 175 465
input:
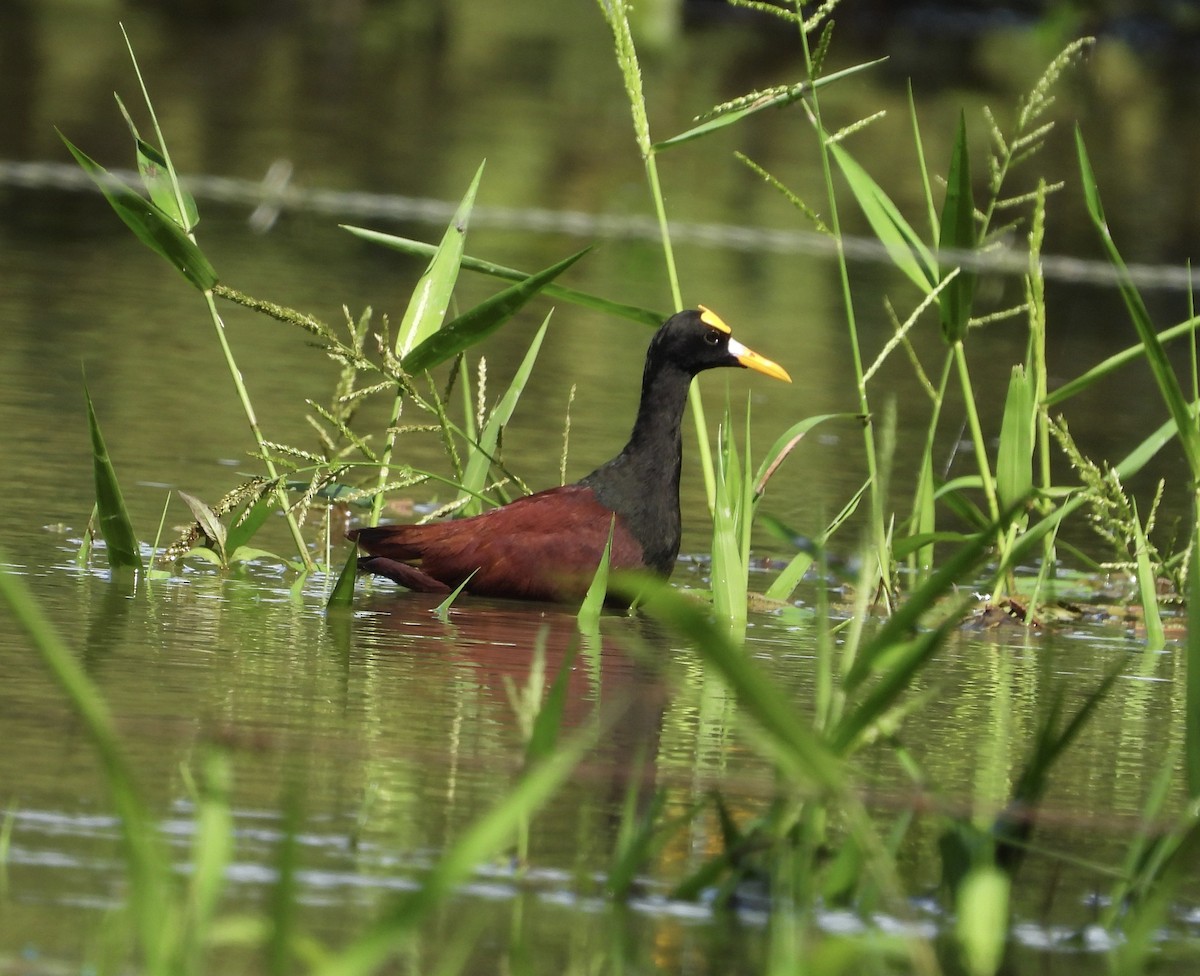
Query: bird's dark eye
pixel 712 337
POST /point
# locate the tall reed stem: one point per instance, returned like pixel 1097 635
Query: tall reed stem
pixel 252 419
pixel 695 400
pixel 977 442
pixel 878 521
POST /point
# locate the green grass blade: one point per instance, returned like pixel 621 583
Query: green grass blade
pixel 633 313
pixel 922 165
pixel 1115 362
pixel 1014 457
pixel 751 105
pixel 181 205
pixel 1191 755
pixel 84 552
pixel 151 225
pixel 481 321
pixel 246 525
pixel 905 547
pixel 904 246
pixel 899 663
pixel 212 852
pixel 790 576
pixel 1147 583
pixel 479 461
pixel 588 618
pixel 1160 366
pixel 1152 912
pixel 746 503
pixel 424 315
pixel 442 610
pixel 431 297
pixel 1147 840
pixel 924 518
pixel 957 233
pixel 639 838
pixel 1051 743
pixel 729 570
pixel 284 899
pixel 786 442
pixel 156 178
pixel 117 531
pixel 343 589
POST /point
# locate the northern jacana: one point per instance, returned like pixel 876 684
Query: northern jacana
pixel 546 546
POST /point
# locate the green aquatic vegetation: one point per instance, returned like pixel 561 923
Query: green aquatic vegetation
pixel 813 60
pixel 165 221
pixel 166 224
pixel 228 545
pixel 421 249
pixel 1187 430
pixel 487 442
pixel 739 494
pixel 1164 375
pixel 423 341
pixel 818 805
pixel 1113 516
pixel 120 542
pixel 812 843
pixel 588 617
pixel 944 271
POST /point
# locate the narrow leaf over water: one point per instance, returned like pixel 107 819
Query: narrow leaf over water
pixel 479 462
pixel 906 249
pixel 343 589
pixel 1191 756
pixel 588 618
pixel 153 227
pixel 119 539
pixel 470 327
pixel 156 178
pixel 633 313
pixel 430 299
pixel 1164 374
pixel 957 234
pixel 774 98
pixel 1014 457
pixel 793 743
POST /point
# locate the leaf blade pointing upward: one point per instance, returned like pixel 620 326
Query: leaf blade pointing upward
pixel 481 321
pixel 115 528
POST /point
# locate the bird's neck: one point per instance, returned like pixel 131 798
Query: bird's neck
pixel 655 439
pixel 642 482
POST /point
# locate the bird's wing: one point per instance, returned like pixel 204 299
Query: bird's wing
pixel 543 546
